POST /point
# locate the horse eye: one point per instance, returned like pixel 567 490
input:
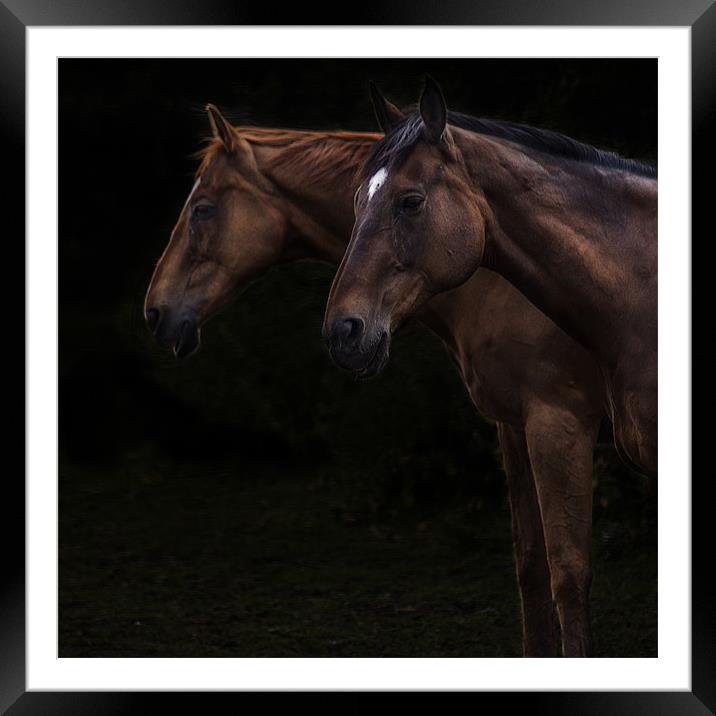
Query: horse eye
pixel 411 202
pixel 202 211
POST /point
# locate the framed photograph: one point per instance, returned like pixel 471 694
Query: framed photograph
pixel 251 463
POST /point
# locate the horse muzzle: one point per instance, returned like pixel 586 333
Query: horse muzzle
pixel 181 333
pixel 353 348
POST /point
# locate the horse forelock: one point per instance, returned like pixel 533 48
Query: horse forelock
pixel 393 148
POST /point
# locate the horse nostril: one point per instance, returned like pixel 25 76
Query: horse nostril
pixel 153 315
pixel 348 329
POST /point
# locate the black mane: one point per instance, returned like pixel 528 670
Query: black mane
pixel 397 143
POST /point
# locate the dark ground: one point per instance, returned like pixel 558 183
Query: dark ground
pixel 254 500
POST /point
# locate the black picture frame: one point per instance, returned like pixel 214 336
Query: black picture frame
pixel 16 15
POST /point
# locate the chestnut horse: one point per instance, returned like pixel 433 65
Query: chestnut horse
pixel 265 196
pixel 572 227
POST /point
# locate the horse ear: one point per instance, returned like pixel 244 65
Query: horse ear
pixel 387 114
pixel 220 127
pixel 433 110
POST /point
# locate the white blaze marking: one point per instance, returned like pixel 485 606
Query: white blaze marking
pixel 191 193
pixel 376 181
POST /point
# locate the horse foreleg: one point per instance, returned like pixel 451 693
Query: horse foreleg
pixel 530 554
pixel 561 447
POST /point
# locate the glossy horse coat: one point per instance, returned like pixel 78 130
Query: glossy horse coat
pixel 572 227
pixel 278 195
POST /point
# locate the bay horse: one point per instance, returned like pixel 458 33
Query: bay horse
pixel 573 228
pixel 266 196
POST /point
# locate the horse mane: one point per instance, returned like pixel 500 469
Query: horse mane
pixel 313 156
pixel 399 141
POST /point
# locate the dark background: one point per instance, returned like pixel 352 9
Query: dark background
pixel 254 500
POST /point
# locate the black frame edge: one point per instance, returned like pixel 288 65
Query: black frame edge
pixel 703 123
pixel 396 12
pixel 543 703
pixel 12 134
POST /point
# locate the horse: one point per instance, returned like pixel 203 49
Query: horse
pixel 266 196
pixel 572 227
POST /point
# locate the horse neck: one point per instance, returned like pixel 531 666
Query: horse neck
pixel 314 176
pixel 574 238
